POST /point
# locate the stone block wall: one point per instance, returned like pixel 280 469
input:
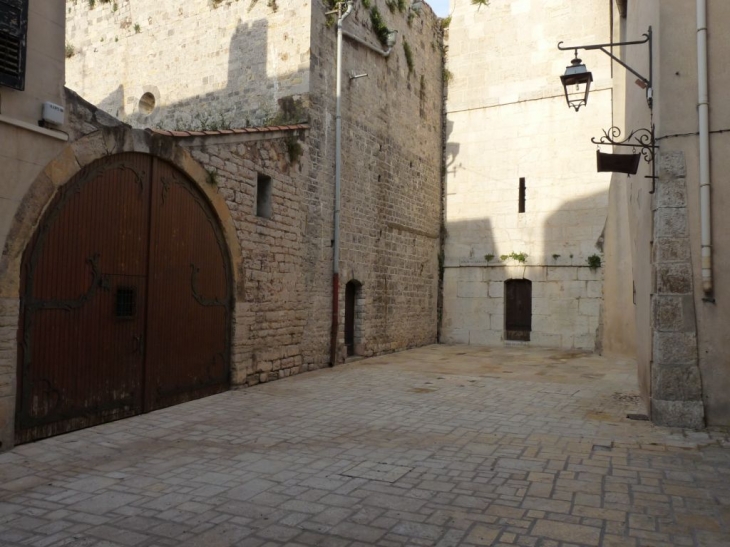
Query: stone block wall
pixel 566 304
pixel 255 64
pixel 391 177
pixel 508 124
pixel 676 384
pixel 206 64
pixel 9 310
pixel 271 306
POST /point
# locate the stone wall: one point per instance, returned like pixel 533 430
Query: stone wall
pixel 676 392
pixel 566 304
pixel 255 64
pixel 271 308
pixel 391 178
pixel 507 121
pixel 391 183
pixel 206 64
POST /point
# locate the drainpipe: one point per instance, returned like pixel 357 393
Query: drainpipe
pixel 384 53
pixel 338 174
pixel 703 108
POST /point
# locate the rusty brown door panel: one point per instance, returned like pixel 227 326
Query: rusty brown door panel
pixel 93 347
pixel 78 364
pixel 518 309
pixel 189 304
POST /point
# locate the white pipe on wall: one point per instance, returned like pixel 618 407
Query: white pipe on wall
pixel 703 108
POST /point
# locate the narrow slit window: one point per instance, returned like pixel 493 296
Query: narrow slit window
pixel 263 196
pixel 522 196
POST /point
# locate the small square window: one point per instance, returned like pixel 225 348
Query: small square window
pixel 125 305
pixel 263 196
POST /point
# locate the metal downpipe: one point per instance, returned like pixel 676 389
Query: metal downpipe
pixel 338 187
pixel 703 109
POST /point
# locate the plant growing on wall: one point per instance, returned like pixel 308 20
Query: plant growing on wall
pixel 400 5
pixel 380 29
pixel 594 262
pixel 489 258
pixel 293 149
pixel 409 55
pixel 479 3
pixel 519 257
pixel 556 256
pixel 212 177
pixel 70 50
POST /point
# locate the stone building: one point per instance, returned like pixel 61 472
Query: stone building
pixel 680 275
pixel 525 209
pixel 197 254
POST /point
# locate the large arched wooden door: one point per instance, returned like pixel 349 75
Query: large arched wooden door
pixel 125 299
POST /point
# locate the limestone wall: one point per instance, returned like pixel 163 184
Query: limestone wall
pixel 206 63
pixel 391 178
pixel 271 305
pixel 681 330
pixel 507 120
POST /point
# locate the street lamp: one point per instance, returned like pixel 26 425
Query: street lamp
pixel 579 76
pixel 641 141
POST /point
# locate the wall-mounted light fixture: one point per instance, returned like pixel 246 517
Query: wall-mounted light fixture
pixel 577 85
pixel 578 74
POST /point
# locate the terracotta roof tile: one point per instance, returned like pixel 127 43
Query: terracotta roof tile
pixel 233 131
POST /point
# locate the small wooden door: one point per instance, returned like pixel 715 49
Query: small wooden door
pixel 351 293
pixel 125 303
pixel 518 309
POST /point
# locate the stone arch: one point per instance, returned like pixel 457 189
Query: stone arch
pixel 99 142
pixel 77 155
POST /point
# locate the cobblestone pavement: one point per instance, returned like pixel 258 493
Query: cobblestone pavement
pixel 444 445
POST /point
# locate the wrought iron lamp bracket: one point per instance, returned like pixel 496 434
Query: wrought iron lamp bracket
pixel 642 139
pixel 602 47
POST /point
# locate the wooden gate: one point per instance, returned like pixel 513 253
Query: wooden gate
pixel 126 299
pixel 518 309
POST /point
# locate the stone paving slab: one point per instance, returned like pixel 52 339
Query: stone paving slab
pixel 443 446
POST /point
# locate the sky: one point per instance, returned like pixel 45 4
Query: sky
pixel 440 7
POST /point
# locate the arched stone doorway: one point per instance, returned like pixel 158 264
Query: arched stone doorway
pixel 126 291
pixel 353 315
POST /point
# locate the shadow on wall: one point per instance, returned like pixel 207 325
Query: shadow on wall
pixel 249 98
pixel 575 230
pixel 452 150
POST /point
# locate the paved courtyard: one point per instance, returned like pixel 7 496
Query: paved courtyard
pixel 443 445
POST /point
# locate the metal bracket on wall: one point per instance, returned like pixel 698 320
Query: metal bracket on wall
pixel 642 139
pixel 646 83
